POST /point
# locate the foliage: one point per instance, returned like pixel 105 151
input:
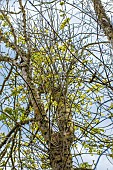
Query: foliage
pixel 56 85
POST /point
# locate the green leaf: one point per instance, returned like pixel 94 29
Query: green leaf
pixel 3 117
pixel 64 23
pixel 62 3
pixel 8 110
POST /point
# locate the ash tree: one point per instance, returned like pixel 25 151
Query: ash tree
pixel 56 84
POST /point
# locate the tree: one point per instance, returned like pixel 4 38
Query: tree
pixel 56 84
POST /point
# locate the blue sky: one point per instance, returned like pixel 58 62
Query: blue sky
pixel 103 164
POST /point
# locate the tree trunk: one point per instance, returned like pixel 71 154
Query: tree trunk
pixel 60 154
pixel 103 19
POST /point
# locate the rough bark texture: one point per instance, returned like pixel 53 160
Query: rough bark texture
pixel 103 19
pixel 60 154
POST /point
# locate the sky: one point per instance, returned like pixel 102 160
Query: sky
pixel 103 163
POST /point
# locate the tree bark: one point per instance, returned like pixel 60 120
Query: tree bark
pixel 103 19
pixel 60 147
